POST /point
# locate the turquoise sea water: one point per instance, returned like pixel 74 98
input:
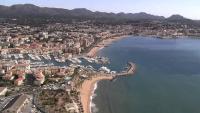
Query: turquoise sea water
pixel 167 79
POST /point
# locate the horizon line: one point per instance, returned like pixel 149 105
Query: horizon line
pixel 101 11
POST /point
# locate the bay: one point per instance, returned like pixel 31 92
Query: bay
pixel 167 79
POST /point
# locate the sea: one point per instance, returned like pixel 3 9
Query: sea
pixel 167 79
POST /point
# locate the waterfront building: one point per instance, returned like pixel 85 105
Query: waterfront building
pixel 23 67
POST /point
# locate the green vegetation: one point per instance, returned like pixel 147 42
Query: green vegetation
pixel 53 100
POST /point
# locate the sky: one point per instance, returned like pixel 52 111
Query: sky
pixel 187 8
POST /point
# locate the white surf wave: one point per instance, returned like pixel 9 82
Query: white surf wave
pixel 93 107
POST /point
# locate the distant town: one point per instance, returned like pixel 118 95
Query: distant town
pixel 42 69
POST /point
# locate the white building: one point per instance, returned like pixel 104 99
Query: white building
pixel 3 91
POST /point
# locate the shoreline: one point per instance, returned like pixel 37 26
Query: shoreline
pixel 92 96
pixel 105 42
pixel 92 52
pixel 87 89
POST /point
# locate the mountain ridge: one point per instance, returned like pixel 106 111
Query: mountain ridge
pixel 29 13
pixel 30 9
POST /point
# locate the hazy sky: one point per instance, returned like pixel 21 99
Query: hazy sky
pixel 187 8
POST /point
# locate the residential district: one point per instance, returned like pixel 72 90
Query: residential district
pixel 42 69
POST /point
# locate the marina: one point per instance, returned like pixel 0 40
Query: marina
pixel 34 57
pixel 46 57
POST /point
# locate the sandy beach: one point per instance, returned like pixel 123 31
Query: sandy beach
pixel 88 85
pixel 86 91
pixel 102 44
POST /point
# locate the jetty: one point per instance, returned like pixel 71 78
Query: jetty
pixel 88 85
pixel 131 68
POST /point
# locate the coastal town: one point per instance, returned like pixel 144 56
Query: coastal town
pixel 42 68
pixel 52 68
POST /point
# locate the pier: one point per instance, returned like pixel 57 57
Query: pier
pixel 130 70
pixel 88 85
